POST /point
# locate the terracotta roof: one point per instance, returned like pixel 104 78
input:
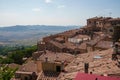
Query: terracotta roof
pixel 99 18
pixel 114 19
pixel 81 36
pixel 13 65
pixel 70 45
pixel 28 67
pixel 59 39
pixel 57 44
pixel 105 18
pixel 95 18
pixel 96 40
pixel 69 33
pixel 99 33
pixel 73 46
pixel 83 76
pixel 92 42
pixel 104 44
pixel 67 76
pixel 37 54
pixel 82 46
pixel 52 56
pixel 103 65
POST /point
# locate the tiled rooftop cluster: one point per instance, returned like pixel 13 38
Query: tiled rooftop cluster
pixel 92 44
pixel 100 62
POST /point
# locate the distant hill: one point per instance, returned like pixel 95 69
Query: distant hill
pixel 29 34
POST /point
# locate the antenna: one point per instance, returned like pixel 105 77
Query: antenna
pixel 110 13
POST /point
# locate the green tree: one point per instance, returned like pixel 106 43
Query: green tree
pixel 6 61
pixel 17 54
pixel 6 73
pixel 17 57
pixel 28 51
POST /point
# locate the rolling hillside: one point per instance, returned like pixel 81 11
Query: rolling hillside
pixel 28 34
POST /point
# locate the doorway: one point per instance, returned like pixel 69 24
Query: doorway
pixel 58 68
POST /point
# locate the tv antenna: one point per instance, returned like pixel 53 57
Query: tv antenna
pixel 110 13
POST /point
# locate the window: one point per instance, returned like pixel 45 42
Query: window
pixel 58 68
pixel 89 22
pixel 111 30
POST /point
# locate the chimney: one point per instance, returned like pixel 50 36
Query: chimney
pixel 46 59
pixel 96 79
pixel 86 66
pixel 90 72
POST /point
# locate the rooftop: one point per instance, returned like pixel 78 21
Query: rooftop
pixel 99 66
pixel 69 33
pixel 83 76
pixel 55 56
pixel 104 44
pixel 81 36
pixel 57 44
pixel 28 67
pixel 114 19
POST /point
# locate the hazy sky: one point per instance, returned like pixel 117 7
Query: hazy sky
pixel 55 12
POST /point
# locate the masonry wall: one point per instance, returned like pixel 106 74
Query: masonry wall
pixel 46 66
pixel 52 47
pixel 39 66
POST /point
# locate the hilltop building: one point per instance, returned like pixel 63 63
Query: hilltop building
pixel 101 23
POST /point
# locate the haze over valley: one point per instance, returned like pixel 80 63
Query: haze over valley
pixel 28 34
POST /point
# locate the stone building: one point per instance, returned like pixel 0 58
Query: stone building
pixel 27 71
pixel 114 31
pixel 99 43
pixel 55 46
pixel 100 63
pixel 101 23
pixel 50 65
pixel 49 70
pixel 41 45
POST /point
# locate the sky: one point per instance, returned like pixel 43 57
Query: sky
pixel 55 12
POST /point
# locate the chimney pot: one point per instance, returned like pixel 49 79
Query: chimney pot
pixel 46 59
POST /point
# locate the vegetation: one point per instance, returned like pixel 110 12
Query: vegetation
pixel 16 54
pixel 4 50
pixel 6 73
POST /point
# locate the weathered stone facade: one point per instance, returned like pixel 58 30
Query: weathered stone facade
pixel 101 23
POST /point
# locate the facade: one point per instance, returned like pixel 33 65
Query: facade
pixel 49 66
pixel 79 39
pixel 114 32
pixel 20 75
pixel 41 46
pixel 101 23
pixel 49 70
pixel 27 71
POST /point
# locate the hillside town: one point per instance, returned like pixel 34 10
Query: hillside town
pixel 91 52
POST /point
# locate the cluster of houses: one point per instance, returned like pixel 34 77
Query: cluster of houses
pixel 56 52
